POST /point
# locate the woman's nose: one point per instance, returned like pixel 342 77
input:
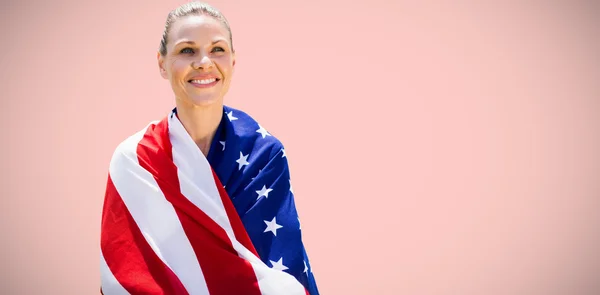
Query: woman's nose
pixel 204 62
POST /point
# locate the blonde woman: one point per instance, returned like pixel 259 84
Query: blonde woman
pixel 200 202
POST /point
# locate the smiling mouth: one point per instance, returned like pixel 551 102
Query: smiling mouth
pixel 204 81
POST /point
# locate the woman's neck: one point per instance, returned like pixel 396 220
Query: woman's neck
pixel 201 123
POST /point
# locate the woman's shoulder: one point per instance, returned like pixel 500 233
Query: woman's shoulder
pixel 127 147
pixel 251 131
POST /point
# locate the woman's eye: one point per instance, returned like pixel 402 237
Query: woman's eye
pixel 187 50
pixel 218 49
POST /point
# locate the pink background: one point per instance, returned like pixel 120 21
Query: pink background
pixel 435 148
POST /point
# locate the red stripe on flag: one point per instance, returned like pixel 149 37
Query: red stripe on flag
pixel 224 271
pixel 236 222
pixel 129 257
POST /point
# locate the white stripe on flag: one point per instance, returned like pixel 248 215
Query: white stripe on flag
pixel 270 281
pixel 155 216
pixel 198 185
pixel 196 180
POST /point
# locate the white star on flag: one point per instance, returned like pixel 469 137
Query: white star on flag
pixel 305 267
pixel 262 131
pixel 278 265
pixel 291 186
pixel 264 192
pixel 223 143
pixel 231 117
pixel 283 151
pixel 272 226
pixel 242 160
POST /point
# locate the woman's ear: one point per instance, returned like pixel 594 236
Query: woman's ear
pixel 161 67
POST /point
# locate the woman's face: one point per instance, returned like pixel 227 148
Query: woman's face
pixel 199 61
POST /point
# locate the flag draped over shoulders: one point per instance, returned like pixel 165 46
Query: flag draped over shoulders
pixel 176 222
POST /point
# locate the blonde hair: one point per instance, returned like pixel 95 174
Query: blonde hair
pixel 192 8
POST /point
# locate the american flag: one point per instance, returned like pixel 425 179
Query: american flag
pixel 176 222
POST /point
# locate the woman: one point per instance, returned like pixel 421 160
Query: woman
pixel 201 201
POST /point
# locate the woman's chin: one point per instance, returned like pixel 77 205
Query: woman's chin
pixel 202 101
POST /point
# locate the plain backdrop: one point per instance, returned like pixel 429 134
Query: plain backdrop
pixel 436 148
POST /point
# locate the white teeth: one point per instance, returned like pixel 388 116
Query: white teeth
pixel 204 81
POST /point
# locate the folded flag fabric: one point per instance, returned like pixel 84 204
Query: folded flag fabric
pixel 177 222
